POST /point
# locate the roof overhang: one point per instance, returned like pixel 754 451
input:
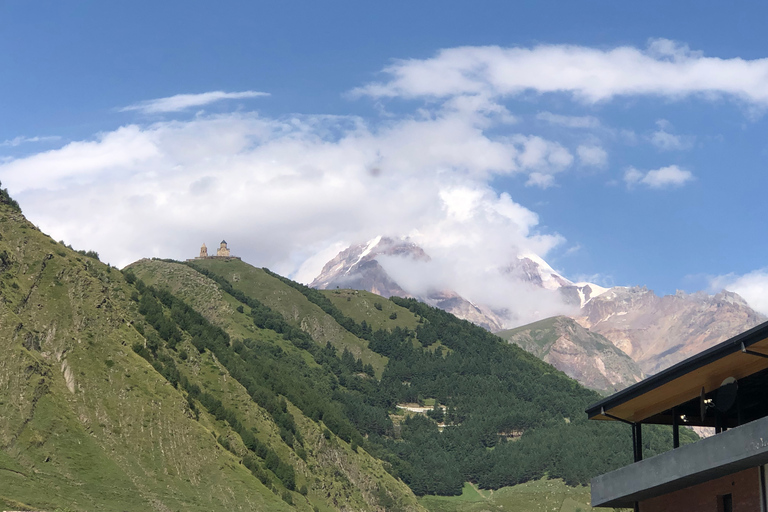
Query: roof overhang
pixel 651 399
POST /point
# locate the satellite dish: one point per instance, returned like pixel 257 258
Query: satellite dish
pixel 726 394
pixel 702 404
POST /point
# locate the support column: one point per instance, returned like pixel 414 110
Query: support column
pixel 675 428
pixel 637 438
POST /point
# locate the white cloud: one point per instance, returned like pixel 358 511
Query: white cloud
pixel 18 141
pixel 281 190
pixel 569 121
pixel 184 101
pixel 541 180
pixel 55 169
pixel 665 68
pixel 592 155
pixel 667 141
pixel 289 193
pixel 753 287
pixel 665 177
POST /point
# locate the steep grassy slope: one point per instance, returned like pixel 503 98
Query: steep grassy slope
pixel 85 423
pixel 93 418
pixel 293 306
pixel 362 306
pixel 336 475
pixel 583 355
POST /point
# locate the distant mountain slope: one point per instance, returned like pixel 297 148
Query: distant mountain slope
pixel 654 331
pixel 492 391
pixel 658 332
pixel 358 268
pixel 583 355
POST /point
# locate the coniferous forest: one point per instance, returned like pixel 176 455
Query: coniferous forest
pixel 501 416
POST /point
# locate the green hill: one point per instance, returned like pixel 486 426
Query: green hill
pixel 87 423
pixel 216 385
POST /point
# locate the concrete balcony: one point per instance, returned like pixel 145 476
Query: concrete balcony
pixel 734 450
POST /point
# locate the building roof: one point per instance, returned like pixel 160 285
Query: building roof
pixel 685 384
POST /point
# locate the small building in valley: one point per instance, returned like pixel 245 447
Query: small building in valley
pixel 725 388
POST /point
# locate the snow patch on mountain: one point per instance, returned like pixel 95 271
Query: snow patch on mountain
pixel 368 248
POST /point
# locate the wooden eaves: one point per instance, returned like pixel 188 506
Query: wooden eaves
pixel 652 400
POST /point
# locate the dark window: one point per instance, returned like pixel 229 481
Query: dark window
pixel 725 503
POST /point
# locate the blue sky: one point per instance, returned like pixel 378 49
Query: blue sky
pixel 625 144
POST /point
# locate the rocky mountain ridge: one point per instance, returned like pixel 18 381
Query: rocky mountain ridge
pixel 655 332
pixel 358 268
pixel 658 332
pixel 582 354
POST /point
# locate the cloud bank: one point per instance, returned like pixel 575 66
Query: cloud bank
pixel 664 68
pixel 753 287
pixel 281 190
pixel 184 101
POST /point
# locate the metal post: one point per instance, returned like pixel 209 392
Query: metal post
pixel 675 428
pixel 637 438
pixel 634 441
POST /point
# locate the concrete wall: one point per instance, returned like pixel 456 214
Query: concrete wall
pixel 743 486
pixel 724 454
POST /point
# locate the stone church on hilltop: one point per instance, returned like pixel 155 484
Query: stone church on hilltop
pixel 221 253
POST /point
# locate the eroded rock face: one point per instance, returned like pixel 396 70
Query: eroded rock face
pixel 658 332
pixel 585 356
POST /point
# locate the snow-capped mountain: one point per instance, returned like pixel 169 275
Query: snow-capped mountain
pixel 654 331
pixel 533 269
pixel 357 267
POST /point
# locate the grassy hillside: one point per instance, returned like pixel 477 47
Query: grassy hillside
pixel 335 473
pixel 294 307
pixel 362 306
pixel 87 423
pixel 535 496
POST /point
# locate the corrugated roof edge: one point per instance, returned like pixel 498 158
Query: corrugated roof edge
pixel 701 359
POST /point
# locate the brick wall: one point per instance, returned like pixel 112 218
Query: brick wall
pixel 744 486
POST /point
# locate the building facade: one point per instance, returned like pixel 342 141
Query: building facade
pixel 724 387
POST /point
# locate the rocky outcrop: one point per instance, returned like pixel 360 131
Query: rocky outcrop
pixel 585 356
pixel 658 332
